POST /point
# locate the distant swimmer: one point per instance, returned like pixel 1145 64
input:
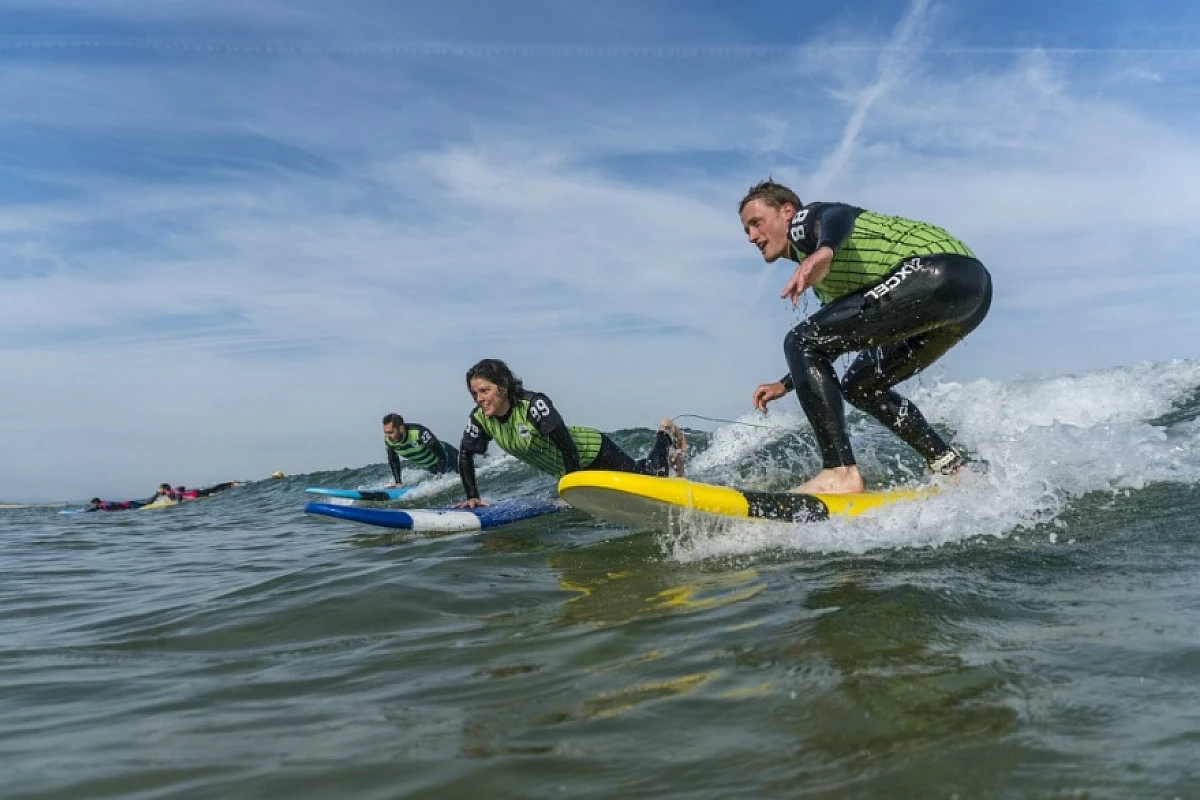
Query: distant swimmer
pixel 165 492
pixel 184 493
pixel 526 425
pixel 96 504
pixel 898 291
pixel 417 445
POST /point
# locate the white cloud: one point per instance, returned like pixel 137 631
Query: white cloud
pixel 233 262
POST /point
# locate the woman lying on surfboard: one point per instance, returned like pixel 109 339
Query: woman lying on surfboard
pixel 526 425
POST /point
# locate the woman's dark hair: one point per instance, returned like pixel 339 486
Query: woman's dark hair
pixel 496 371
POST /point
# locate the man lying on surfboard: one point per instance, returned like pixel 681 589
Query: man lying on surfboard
pixel 96 504
pixel 900 291
pixel 526 425
pixel 416 444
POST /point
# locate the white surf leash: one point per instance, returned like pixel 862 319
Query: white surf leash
pixel 719 419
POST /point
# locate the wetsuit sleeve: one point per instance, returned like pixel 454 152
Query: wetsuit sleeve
pixel 788 383
pixel 822 225
pixel 549 423
pixel 466 471
pixel 474 439
pixel 834 224
pixel 474 442
pixel 394 464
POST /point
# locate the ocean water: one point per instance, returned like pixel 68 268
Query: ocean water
pixel 1033 631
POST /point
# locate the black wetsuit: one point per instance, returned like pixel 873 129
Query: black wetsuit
pixel 216 487
pixel 117 505
pixel 901 322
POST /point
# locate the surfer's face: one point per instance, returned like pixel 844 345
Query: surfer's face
pixel 767 227
pixel 394 433
pixel 489 397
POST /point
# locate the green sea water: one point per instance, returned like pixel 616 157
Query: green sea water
pixel 1033 632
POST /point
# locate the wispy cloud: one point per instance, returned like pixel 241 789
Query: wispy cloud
pixel 897 57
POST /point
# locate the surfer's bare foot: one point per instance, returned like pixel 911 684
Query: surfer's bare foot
pixel 835 480
pixel 678 448
pixel 471 502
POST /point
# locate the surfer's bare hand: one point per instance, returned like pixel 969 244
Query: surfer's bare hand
pixel 811 271
pixel 767 392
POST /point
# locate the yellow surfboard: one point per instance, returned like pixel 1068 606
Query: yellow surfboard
pixel 159 504
pixel 641 500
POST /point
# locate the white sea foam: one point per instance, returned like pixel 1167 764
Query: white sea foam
pixel 487 470
pixel 1046 441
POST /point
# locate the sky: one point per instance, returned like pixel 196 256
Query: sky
pixel 234 235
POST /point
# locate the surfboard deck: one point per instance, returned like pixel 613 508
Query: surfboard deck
pixel 159 504
pixel 378 495
pixel 643 501
pixel 443 520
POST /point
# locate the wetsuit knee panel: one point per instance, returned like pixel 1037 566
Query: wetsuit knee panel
pixel 802 340
pixel 862 388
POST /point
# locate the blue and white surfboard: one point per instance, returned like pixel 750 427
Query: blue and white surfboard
pixel 443 520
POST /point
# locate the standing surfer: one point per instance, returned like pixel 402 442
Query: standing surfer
pixel 899 292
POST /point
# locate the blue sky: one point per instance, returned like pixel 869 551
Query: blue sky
pixel 235 234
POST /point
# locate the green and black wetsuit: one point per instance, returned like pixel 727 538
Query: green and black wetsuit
pixel 867 246
pixel 534 432
pixel 422 449
pixel 902 292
